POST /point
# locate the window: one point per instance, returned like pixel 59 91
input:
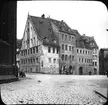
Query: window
pixel 65 47
pixel 57 50
pixel 28 51
pixel 42 63
pixel 62 57
pixel 36 60
pixel 49 49
pixel 77 50
pixel 36 49
pixel 72 48
pixel 54 60
pixel 65 37
pixel 26 61
pixel 33 60
pixel 82 60
pixel 69 48
pixel 53 50
pixel 34 39
pixel 62 36
pixel 95 56
pixel 72 58
pixel 79 59
pixel 83 51
pixel 49 60
pixel 65 57
pixel 62 46
pixel 31 41
pixel 33 49
pixel 86 52
pixel 95 63
pixel 69 38
pixel 80 51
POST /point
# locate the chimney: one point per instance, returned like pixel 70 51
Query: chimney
pixel 43 16
pixel 62 21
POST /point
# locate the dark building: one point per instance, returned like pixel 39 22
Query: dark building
pixel 103 53
pixel 8 40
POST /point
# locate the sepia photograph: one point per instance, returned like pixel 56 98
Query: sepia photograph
pixel 54 52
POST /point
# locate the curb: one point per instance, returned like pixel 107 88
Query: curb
pixel 100 94
pixel 8 80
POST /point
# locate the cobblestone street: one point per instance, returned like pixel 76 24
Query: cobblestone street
pixel 53 89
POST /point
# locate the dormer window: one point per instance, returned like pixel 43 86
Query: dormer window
pixel 54 40
pixel 46 39
pixel 50 29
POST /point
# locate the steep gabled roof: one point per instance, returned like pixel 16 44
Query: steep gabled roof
pixel 90 40
pixel 85 42
pixel 45 31
pixel 62 26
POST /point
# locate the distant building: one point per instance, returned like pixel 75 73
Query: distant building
pixel 85 62
pixel 103 53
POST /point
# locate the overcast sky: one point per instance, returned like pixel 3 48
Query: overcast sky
pixel 88 17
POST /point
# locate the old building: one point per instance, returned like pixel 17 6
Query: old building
pixel 40 49
pixel 67 45
pixel 103 61
pixel 8 42
pixel 95 55
pixel 85 62
pixel 51 46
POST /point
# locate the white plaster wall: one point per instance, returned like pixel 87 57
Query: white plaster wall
pixel 49 55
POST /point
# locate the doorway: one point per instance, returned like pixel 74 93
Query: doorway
pixel 80 71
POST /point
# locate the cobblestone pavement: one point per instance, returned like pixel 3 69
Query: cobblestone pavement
pixel 49 89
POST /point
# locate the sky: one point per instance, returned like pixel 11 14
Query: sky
pixel 88 17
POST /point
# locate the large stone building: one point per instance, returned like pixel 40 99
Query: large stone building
pixel 51 46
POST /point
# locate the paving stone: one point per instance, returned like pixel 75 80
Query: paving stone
pixel 45 92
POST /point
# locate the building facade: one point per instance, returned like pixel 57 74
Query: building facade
pixel 67 45
pixel 30 49
pixel 87 60
pixel 8 42
pixel 51 46
pixel 40 49
pixel 103 61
